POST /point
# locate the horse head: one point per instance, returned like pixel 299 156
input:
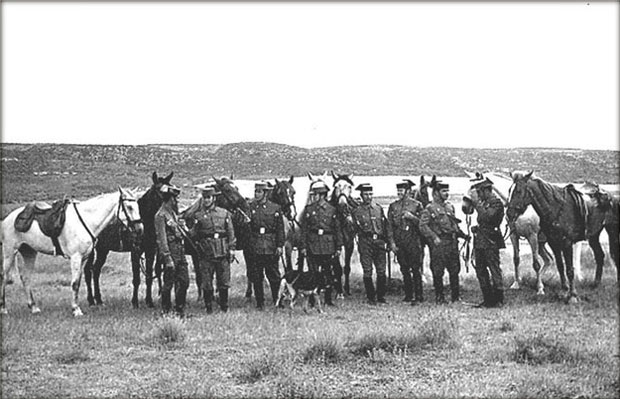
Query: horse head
pixel 520 195
pixel 421 193
pixel 343 188
pixel 128 213
pixel 283 194
pixel 230 198
pixel 151 200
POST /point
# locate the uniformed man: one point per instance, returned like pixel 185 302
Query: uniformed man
pixel 266 242
pixel 321 237
pixel 488 240
pixel 373 234
pixel 440 226
pixel 169 237
pixel 404 222
pixel 214 235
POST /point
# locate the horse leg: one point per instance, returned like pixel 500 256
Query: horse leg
pixel 197 274
pixel 7 264
pixel 29 256
pixel 98 265
pixel 135 269
pixel 557 253
pixel 599 257
pixel 348 253
pixel 248 274
pixel 88 269
pixel 576 260
pixel 570 273
pixel 536 259
pixel 77 265
pixel 614 246
pixel 514 239
pixel 148 278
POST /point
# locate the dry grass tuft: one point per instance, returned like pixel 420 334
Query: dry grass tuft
pixel 169 330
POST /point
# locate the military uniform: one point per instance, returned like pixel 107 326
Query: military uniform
pixel 171 249
pixel 488 241
pixel 438 221
pixel 266 235
pixel 373 234
pixel 214 234
pixel 321 238
pixel 404 222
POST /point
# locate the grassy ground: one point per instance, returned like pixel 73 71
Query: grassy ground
pixel 533 347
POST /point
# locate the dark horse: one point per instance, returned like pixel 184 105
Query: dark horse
pixel 231 200
pixel 283 194
pixel 562 214
pixel 118 239
pixel 342 199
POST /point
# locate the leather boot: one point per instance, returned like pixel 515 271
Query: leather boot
pixel 347 288
pixel 381 289
pixel 259 294
pixel 208 298
pixel 486 298
pixel 438 285
pixel 418 290
pixel 407 287
pixel 499 298
pixel 224 299
pixel 328 297
pixel 370 290
pixel 166 302
pixel 454 288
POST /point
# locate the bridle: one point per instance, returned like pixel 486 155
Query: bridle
pixel 121 206
pixel 233 204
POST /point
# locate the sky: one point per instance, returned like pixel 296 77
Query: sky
pixel 483 75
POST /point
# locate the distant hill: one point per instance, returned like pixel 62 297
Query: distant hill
pixel 49 171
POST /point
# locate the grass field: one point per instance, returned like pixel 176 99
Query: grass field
pixel 534 347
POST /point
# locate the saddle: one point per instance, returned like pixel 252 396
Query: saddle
pixel 51 219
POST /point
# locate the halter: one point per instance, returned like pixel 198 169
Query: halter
pixel 235 207
pixel 121 205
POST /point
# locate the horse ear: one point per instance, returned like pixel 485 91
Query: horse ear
pixel 529 174
pixel 479 175
pixel 351 176
pixel 232 177
pixel 422 180
pixel 310 176
pixel 277 181
pixel 167 178
pixel 217 181
pixel 154 177
pixel 334 176
pixel 291 179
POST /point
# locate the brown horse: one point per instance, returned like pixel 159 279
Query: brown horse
pixel 562 214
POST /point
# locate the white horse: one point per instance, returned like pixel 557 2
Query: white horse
pixel 526 225
pixel 83 223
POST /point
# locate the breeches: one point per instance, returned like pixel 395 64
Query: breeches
pixel 409 259
pixel 178 276
pixel 445 256
pixel 262 265
pixel 220 267
pixel 487 261
pixel 369 254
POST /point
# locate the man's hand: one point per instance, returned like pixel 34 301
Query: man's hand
pixel 303 251
pixel 168 263
pixel 436 241
pixel 393 248
pixel 279 251
pixel 337 254
pixel 407 215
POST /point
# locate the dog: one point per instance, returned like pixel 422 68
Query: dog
pixel 297 284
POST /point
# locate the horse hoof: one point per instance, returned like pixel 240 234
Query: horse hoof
pixel 540 293
pixel 35 310
pixel 135 305
pixel 573 299
pixel 4 311
pixel 515 286
pixel 77 312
